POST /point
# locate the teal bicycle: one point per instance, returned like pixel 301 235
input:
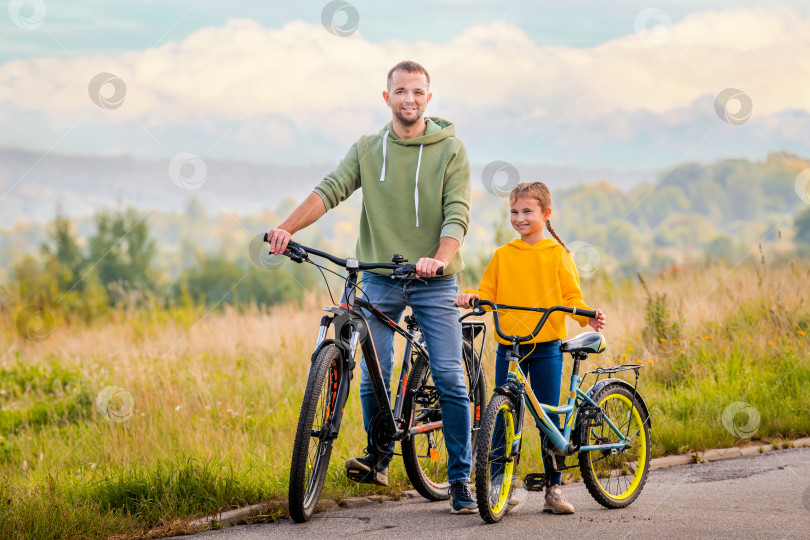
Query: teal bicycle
pixel 607 426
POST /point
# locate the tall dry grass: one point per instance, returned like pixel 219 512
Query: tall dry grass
pixel 224 388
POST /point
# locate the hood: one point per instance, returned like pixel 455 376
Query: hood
pixel 437 130
pixel 545 243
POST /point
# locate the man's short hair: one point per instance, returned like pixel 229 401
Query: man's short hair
pixel 411 67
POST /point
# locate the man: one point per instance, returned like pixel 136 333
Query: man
pixel 415 178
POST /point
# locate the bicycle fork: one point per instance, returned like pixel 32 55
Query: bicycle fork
pixel 345 328
pixel 514 388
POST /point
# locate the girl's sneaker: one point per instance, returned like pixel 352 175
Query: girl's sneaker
pixel 556 501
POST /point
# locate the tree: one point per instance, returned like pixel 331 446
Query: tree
pixel 802 224
pixel 66 257
pixel 217 281
pixel 721 248
pixel 121 252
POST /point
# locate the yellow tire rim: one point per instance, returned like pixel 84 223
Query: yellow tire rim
pixel 636 421
pixel 508 470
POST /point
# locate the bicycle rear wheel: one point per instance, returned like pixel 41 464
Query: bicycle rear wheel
pixel 616 480
pixel 425 454
pixel 313 445
pixel 495 466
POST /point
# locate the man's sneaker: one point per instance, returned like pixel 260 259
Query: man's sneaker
pixel 363 470
pixel 461 500
pixel 556 502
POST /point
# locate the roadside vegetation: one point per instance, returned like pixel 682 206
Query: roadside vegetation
pixel 139 391
pixel 204 403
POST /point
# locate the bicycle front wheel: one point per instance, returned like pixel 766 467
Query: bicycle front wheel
pixel 616 480
pixel 313 442
pixel 425 454
pixel 495 466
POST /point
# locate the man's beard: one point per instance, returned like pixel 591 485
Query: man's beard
pixel 407 122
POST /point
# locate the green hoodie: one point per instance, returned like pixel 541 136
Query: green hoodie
pixel 399 214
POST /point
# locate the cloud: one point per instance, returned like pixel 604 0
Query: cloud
pixel 279 87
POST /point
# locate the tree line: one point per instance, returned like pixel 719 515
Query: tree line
pixel 117 269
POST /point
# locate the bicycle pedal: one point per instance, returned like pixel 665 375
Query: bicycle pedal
pixel 535 482
pixel 360 476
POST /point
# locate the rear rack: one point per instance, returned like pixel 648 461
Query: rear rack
pixel 614 369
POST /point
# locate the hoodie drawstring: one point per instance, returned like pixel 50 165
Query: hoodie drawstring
pixel 385 143
pixel 416 186
pixel 416 182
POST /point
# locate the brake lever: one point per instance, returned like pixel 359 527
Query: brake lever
pixel 297 253
pixel 476 312
pixel 404 272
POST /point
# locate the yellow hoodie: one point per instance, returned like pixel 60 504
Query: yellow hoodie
pixel 540 275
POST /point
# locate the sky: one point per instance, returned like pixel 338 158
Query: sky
pixel 624 84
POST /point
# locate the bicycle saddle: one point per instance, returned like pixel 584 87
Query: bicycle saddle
pixel 589 342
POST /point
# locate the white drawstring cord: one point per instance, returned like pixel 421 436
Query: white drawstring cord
pixel 416 185
pixel 385 143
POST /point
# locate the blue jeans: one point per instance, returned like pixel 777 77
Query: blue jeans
pixel 432 304
pixel 543 368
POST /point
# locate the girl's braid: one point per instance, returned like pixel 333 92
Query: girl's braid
pixel 554 234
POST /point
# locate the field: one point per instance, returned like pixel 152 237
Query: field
pixel 203 405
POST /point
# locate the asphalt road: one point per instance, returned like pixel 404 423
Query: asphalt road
pixel 762 496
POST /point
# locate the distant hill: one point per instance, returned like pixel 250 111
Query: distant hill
pixel 641 219
pixel 32 184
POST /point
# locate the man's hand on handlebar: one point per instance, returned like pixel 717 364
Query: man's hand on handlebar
pixel 427 267
pixel 278 240
pixel 598 322
pixel 465 300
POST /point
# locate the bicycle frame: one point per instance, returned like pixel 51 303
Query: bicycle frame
pixel 351 330
pixel 561 441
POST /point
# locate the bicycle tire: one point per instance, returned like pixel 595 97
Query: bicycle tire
pixel 495 468
pixel 607 476
pixel 425 454
pixel 313 448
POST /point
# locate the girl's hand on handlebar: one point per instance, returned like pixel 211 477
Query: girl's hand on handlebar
pixel 598 322
pixel 466 299
pixel 278 240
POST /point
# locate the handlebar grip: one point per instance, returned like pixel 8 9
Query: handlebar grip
pixel 440 271
pixel 589 313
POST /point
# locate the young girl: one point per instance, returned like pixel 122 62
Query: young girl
pixel 537 272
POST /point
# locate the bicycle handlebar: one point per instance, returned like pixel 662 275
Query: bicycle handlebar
pixel 478 309
pixel 299 253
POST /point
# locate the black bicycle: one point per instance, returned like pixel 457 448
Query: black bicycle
pixel 415 420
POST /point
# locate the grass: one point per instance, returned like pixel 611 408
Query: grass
pixel 215 397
